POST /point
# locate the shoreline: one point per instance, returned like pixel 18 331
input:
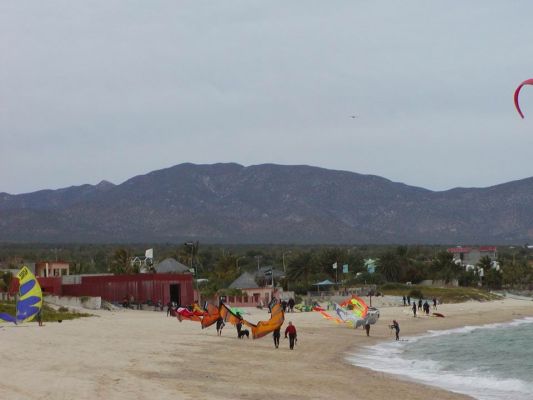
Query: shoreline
pixel 459 315
pixel 145 355
pixel 424 372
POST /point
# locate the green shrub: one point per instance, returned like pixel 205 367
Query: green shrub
pixel 394 286
pixel 416 293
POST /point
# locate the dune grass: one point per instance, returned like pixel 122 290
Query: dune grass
pixel 444 295
pixel 48 313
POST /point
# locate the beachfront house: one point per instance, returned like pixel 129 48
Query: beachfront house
pixel 468 257
pixel 48 269
pixel 371 265
pixel 144 262
pixel 257 289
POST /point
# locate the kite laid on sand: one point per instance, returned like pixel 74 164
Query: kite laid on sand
pixel 517 92
pixel 184 313
pixel 30 298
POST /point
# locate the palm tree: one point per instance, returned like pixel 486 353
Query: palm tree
pixel 389 267
pixel 121 262
pixel 444 267
pixel 301 267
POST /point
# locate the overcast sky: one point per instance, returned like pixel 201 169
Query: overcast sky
pixel 93 90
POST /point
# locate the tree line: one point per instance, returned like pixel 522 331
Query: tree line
pixel 302 266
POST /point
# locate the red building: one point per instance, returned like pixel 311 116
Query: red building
pixel 115 288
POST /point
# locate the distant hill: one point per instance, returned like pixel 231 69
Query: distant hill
pixel 230 203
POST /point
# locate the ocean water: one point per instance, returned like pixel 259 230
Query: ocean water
pixel 487 362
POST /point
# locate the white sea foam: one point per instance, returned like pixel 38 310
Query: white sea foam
pixel 390 357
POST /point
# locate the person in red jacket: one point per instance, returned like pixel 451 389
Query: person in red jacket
pixel 291 331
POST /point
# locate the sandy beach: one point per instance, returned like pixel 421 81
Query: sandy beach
pixel 131 354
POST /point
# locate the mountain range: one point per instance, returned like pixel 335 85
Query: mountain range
pixel 268 203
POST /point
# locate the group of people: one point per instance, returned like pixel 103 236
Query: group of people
pixel 288 306
pixel 290 332
pixel 425 306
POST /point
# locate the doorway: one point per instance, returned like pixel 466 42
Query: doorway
pixel 175 293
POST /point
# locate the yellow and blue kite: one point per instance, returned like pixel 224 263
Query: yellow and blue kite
pixel 30 298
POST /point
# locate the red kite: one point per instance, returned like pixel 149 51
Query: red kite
pixel 517 92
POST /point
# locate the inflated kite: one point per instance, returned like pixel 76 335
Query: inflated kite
pixel 326 315
pixel 354 312
pixel 263 328
pixel 228 315
pixel 357 305
pixel 517 92
pixel 30 298
pixel 210 316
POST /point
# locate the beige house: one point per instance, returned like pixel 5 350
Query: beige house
pixel 252 294
pixel 52 268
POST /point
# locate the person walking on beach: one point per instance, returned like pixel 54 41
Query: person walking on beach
pixel 414 309
pixel 291 331
pixel 434 303
pixel 426 307
pixel 419 304
pixel 396 326
pixel 408 300
pixel 40 317
pixel 404 300
pixel 367 328
pixel 291 304
pixel 276 335
pixel 220 325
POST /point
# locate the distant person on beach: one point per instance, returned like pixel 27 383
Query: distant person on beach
pixel 434 303
pixel 291 331
pixel 396 326
pixel 426 307
pixel 419 304
pixel 409 300
pixel 414 309
pixel 291 304
pixel 220 325
pixel 169 309
pixel 276 335
pixel 404 300
pixel 367 328
pixel 40 317
pixel 284 305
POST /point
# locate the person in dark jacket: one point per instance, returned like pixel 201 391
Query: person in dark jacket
pixel 291 331
pixel 396 326
pixel 367 328
pixel 220 325
pixel 291 304
pixel 414 308
pixel 276 335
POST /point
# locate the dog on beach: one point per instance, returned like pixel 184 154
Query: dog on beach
pixel 243 332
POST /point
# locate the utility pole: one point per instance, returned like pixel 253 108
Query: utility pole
pixel 195 272
pixel 284 267
pixel 237 262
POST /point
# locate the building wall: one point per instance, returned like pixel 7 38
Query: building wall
pixel 252 297
pixel 143 287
